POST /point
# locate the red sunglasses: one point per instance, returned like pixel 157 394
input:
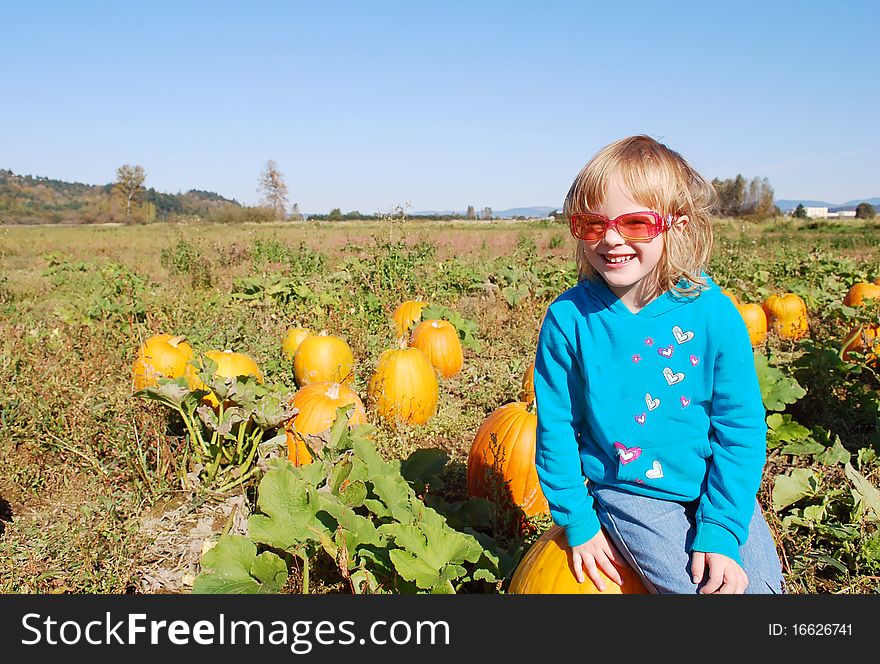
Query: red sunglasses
pixel 631 226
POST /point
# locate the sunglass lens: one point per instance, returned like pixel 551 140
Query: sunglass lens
pixel 637 226
pixel 589 227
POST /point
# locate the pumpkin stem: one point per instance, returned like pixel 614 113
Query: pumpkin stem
pixel 333 391
pixel 174 341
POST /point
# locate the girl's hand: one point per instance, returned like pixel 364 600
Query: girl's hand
pixel 726 577
pixel 595 554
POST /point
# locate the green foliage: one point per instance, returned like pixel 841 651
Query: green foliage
pixel 357 509
pixel 865 211
pixel 777 389
pixel 233 567
pixel 223 441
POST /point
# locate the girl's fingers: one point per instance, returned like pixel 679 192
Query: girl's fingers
pixel 593 572
pixel 716 579
pixel 698 566
pixel 577 564
pixel 611 571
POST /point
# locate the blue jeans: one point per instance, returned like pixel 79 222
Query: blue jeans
pixel 654 537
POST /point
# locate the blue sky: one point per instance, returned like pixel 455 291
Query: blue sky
pixel 370 105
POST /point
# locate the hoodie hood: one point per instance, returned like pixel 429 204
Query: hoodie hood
pixel 599 292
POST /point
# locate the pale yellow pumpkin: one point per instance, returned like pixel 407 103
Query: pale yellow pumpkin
pixel 229 365
pixel 406 314
pixel 160 356
pixel 755 320
pixel 323 357
pixel 292 340
pixel 404 387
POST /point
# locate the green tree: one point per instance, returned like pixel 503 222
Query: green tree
pixel 130 185
pixel 335 214
pixel 800 211
pixel 865 211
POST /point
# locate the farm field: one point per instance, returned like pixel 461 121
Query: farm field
pixel 100 493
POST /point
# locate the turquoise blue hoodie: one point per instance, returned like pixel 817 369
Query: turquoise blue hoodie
pixel 664 402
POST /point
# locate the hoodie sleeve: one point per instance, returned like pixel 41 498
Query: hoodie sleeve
pixel 738 439
pixel 560 402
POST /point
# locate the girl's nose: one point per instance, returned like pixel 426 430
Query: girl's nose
pixel 612 238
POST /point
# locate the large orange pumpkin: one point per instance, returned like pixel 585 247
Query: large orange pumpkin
pixel 511 455
pixel 756 321
pixel 406 314
pixel 527 392
pixel 857 293
pixel 160 356
pixel 323 357
pixel 317 404
pixel 546 569
pixel 292 340
pixel 438 339
pixel 786 315
pixel 229 365
pixel 404 387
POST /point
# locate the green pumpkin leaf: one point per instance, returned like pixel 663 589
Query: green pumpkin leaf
pixel 289 511
pixel 788 489
pixel 777 389
pixel 868 494
pixel 232 566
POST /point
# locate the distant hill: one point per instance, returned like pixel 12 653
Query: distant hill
pixel 787 205
pixel 537 212
pixel 27 199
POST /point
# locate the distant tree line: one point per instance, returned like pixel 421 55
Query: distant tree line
pixel 739 197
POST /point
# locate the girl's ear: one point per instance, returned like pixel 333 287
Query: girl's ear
pixel 681 222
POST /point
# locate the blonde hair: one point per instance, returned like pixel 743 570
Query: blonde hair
pixel 660 179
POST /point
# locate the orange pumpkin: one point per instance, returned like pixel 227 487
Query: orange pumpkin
pixel 438 339
pixel 786 315
pixel 406 314
pixel 527 393
pixel 323 357
pixel 511 454
pixel 756 322
pixel 857 293
pixel 317 404
pixel 229 365
pixel 404 387
pixel 546 569
pixel 292 340
pixel 160 356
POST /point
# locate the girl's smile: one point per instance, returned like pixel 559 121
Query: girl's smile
pixel 628 267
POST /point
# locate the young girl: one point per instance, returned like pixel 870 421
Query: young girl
pixel 645 385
